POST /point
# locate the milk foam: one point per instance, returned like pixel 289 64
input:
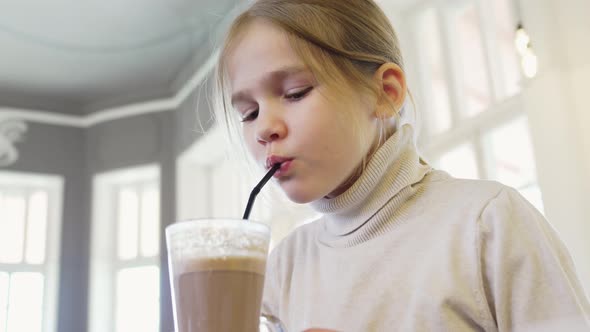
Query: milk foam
pixel 218 240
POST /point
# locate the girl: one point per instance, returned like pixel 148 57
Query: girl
pixel 319 87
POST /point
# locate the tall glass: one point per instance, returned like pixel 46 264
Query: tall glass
pixel 217 275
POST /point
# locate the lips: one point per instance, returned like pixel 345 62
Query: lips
pixel 272 160
pixel 285 165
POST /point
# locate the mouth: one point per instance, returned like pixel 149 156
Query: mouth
pixel 284 161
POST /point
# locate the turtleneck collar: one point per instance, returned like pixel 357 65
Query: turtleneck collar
pixel 386 181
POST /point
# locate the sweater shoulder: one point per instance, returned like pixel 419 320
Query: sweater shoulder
pixel 439 188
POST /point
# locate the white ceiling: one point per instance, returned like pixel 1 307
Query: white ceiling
pixel 77 57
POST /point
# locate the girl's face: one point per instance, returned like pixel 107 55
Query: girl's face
pixel 287 117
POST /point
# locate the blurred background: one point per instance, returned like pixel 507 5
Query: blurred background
pixel 106 137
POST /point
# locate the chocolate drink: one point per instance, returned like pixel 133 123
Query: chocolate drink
pixel 220 294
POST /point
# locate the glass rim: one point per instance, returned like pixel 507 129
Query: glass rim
pixel 202 222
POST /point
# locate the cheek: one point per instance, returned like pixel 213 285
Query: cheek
pixel 250 140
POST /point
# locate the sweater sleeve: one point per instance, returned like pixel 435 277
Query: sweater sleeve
pixel 527 274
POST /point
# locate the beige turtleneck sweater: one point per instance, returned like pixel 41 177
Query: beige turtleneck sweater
pixel 407 248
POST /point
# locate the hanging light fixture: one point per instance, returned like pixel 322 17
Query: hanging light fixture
pixel 528 58
pixel 522 42
pixel 522 39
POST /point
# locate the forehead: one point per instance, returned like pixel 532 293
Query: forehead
pixel 261 49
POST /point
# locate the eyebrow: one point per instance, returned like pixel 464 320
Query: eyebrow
pixel 272 76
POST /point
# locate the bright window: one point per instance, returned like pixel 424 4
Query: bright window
pixel 25 302
pixel 511 158
pixel 469 51
pixel 508 75
pixel 465 50
pixel 460 162
pixel 137 302
pixel 30 222
pixel 434 72
pixel 125 269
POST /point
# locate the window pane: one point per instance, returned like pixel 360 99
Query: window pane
pixel 533 194
pixel 138 299
pixel 12 227
pixel 128 224
pixel 150 222
pixel 505 28
pixel 36 227
pixel 3 300
pixel 225 198
pixel 513 162
pixel 436 89
pixel 475 84
pixel 460 162
pixel 25 309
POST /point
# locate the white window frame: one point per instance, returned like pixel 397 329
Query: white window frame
pixel 53 185
pixel 104 262
pixel 464 129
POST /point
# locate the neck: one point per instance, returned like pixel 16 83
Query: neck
pixel 386 181
pixel 379 138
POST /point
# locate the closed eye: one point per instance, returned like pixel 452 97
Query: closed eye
pixel 299 94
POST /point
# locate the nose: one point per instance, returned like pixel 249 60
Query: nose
pixel 270 127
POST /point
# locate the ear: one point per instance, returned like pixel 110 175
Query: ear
pixel 391 80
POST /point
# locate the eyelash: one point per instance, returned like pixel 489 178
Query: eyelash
pixel 292 97
pixel 299 94
pixel 250 116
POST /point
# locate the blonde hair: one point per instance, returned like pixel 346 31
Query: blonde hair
pixel 342 42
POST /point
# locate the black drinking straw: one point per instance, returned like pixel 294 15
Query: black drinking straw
pixel 259 186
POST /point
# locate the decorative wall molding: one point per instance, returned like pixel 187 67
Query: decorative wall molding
pixel 115 113
pixel 11 131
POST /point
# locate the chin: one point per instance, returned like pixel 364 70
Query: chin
pixel 299 196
